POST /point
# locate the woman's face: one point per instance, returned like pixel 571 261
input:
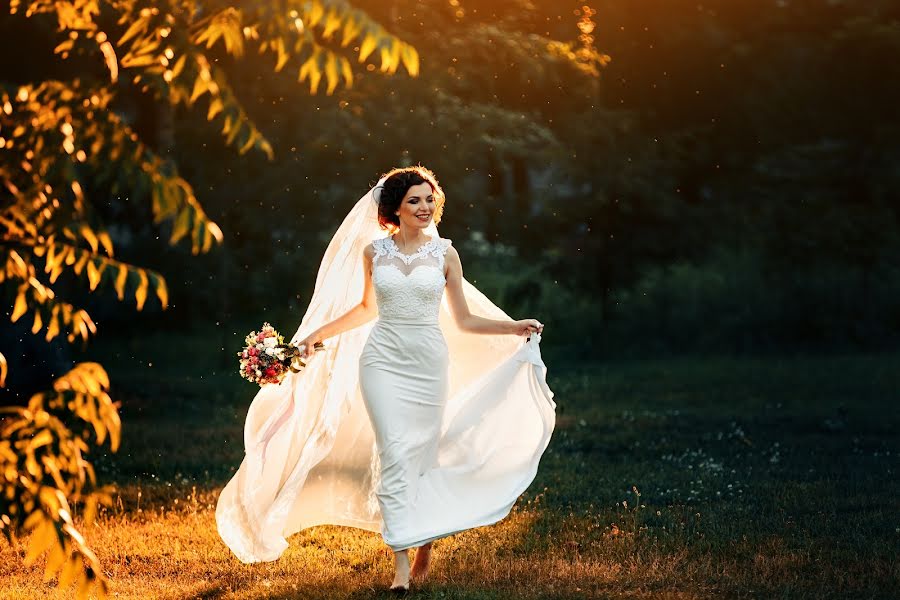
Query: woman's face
pixel 418 207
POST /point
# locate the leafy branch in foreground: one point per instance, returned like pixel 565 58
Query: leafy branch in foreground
pixel 44 473
pixel 63 145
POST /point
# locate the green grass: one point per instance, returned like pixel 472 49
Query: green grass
pixel 758 478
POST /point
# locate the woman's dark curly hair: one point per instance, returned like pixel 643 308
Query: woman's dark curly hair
pixel 397 183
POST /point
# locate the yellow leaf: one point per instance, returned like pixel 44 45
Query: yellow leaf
pixel 86 318
pixel 214 230
pixel 21 304
pixel 266 147
pixel 205 35
pixel 331 74
pixel 90 508
pixel 249 143
pixel 140 295
pixel 283 56
pixel 41 539
pixel 410 60
pixel 57 271
pixel 114 424
pixel 315 13
pixel 130 61
pixel 179 65
pixel 366 48
pixel 229 139
pixel 347 71
pixel 234 39
pixel 136 27
pixel 33 520
pixel 146 47
pixel 390 58
pixel 72 567
pixel 78 326
pixel 41 439
pixel 215 107
pixel 121 278
pixel 314 78
pixel 50 260
pixel 200 86
pixel 84 587
pixel 55 561
pixel 64 46
pixel 81 262
pixel 88 235
pixel 332 23
pixel 351 29
pixel 161 291
pixel 93 275
pixel 182 225
pixel 53 324
pixel 66 312
pixel 106 241
pixel 4 370
pixel 37 322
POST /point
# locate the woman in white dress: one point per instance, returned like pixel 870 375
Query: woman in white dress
pixel 455 428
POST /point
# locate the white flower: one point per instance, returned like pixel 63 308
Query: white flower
pixel 270 351
pixel 270 342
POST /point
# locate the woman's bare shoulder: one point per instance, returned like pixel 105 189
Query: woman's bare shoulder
pixel 452 260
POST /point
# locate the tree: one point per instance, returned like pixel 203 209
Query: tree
pixel 64 143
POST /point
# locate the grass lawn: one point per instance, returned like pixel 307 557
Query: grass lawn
pixel 694 478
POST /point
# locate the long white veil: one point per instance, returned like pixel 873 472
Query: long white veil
pixel 310 449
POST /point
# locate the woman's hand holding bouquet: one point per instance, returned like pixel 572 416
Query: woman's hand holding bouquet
pixel 267 359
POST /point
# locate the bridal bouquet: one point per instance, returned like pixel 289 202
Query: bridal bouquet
pixel 267 359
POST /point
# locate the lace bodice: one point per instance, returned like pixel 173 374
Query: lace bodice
pixel 409 287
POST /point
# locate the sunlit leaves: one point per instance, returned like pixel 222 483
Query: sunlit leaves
pixel 64 145
pixel 43 471
pixel 305 33
pixel 227 25
pixel 368 45
pixel 410 59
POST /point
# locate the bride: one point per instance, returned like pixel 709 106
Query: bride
pixel 425 423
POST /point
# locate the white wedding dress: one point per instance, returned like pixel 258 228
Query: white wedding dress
pixel 407 426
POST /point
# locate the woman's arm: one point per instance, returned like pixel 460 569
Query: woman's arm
pixel 460 308
pixel 363 312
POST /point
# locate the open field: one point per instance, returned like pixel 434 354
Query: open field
pixel 693 478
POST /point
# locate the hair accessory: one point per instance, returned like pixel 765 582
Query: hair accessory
pixel 376 193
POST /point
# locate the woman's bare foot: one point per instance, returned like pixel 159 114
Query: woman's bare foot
pixel 401 571
pixel 422 561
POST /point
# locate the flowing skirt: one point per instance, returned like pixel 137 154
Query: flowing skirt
pixel 428 486
pixel 389 431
